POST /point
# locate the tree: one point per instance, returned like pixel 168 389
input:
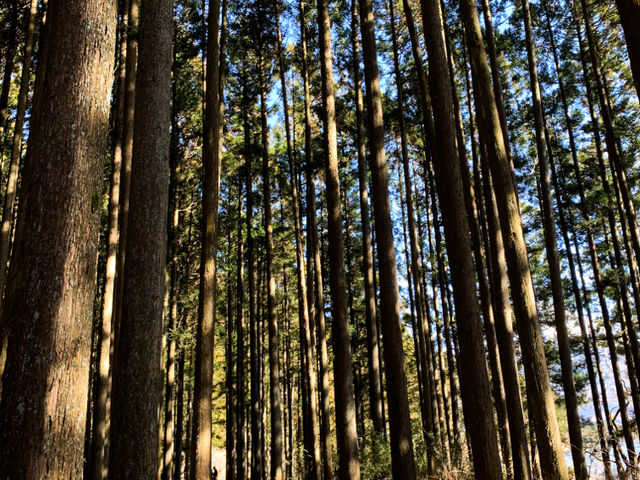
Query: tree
pixel 541 400
pixel 403 462
pixel 137 387
pixel 48 306
pixel 201 427
pixel 346 432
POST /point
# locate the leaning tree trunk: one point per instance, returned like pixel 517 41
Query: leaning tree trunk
pixel 402 458
pixel 51 286
pixel 542 402
pixel 474 379
pixel 553 258
pixel 137 378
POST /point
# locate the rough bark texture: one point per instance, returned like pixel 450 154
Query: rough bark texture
pixel 137 378
pixel 536 372
pixel 100 409
pixel 200 466
pixel 50 303
pixel 402 458
pixel 474 379
pixel 346 431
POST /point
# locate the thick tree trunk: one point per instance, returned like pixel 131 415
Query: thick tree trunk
pixel 50 292
pixel 474 378
pixel 137 387
pixel 402 458
pixel 542 402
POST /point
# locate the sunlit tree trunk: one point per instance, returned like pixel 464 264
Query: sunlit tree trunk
pixel 50 292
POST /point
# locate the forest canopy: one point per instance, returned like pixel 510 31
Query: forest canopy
pixel 331 240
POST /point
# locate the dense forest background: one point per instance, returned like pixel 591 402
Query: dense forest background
pixel 351 239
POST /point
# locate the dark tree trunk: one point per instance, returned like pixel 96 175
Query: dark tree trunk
pixel 402 458
pixel 474 378
pixel 536 373
pixel 629 11
pixel 137 388
pixel 201 425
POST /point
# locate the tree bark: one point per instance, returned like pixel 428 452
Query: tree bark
pixel 346 431
pixel 474 378
pixel 137 388
pixel 49 304
pixel 536 373
pixel 402 458
pixel 201 426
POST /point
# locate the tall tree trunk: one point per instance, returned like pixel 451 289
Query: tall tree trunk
pixel 240 396
pixel 553 259
pixel 346 431
pixel 230 417
pixel 471 203
pixel 474 378
pixel 373 348
pixel 137 387
pixel 275 398
pixel 402 458
pixel 100 403
pixel 253 318
pixel 414 265
pixel 51 286
pixel 629 11
pixel 201 425
pixel 542 402
pixel 314 266
pixel 127 153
